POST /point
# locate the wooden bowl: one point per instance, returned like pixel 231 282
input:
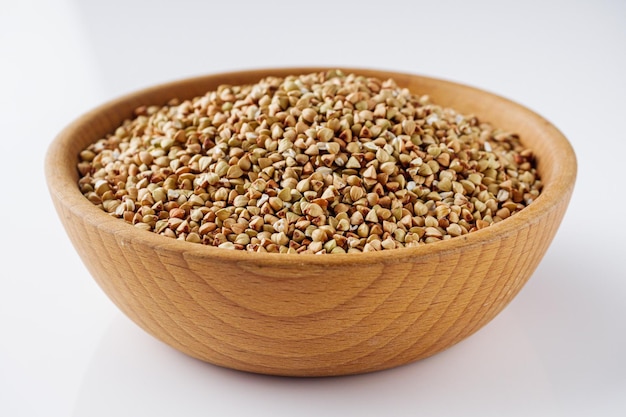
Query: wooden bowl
pixel 307 315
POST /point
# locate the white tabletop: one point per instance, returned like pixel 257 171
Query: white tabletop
pixel 556 350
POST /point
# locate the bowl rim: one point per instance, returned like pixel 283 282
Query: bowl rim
pixel 65 191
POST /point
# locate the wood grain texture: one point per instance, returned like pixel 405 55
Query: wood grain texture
pixel 307 315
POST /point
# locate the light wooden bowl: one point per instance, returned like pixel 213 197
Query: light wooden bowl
pixel 307 315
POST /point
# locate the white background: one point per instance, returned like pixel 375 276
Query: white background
pixel 556 350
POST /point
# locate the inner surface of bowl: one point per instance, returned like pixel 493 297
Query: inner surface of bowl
pixel 307 315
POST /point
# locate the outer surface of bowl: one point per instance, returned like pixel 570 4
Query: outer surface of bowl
pixel 306 315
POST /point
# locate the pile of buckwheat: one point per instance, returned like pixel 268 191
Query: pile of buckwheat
pixel 316 163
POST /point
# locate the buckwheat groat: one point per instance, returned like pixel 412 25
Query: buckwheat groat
pixel 315 163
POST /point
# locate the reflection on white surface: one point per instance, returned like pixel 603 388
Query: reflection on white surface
pixel 133 374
